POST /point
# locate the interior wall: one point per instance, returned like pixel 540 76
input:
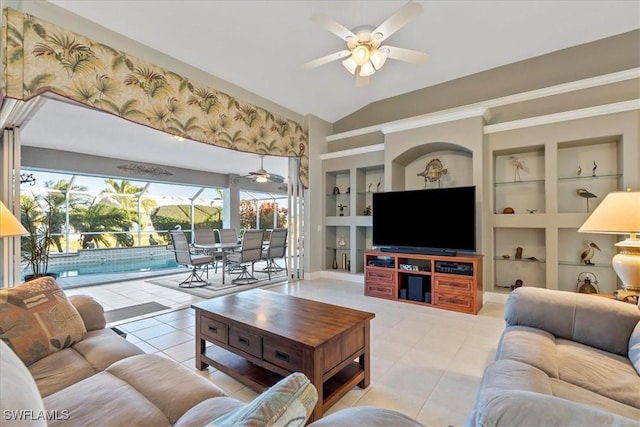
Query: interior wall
pixel 466 135
pixel 609 55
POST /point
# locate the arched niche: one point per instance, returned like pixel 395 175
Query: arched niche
pixel 456 159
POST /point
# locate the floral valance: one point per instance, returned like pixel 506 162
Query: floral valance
pixel 40 57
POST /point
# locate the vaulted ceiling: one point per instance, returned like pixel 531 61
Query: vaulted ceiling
pixel 261 46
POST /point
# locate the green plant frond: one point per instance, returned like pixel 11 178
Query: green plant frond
pixel 82 65
pixel 157 89
pixel 30 23
pixel 38 82
pixel 42 49
pixel 131 79
pixel 129 63
pixel 232 103
pixel 83 92
pixel 191 125
pixel 149 74
pixel 128 106
pixel 111 106
pixel 173 106
pixel 14 34
pixel 158 114
pixel 106 86
pixel 109 50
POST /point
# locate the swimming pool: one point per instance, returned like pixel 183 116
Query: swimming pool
pixel 121 266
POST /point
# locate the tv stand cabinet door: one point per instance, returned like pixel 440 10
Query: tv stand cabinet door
pixel 380 282
pixel 454 293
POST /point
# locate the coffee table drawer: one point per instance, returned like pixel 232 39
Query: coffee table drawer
pixel 282 354
pixel 213 329
pixel 246 341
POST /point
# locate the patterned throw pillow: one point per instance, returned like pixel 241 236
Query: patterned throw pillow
pixel 288 403
pixel 36 319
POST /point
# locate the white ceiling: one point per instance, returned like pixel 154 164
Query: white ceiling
pixel 261 46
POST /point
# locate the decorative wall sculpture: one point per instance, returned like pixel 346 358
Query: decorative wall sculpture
pixel 40 57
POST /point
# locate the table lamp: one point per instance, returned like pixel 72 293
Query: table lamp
pixel 9 225
pixel 619 213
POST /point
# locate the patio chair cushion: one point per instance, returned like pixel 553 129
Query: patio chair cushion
pixel 38 319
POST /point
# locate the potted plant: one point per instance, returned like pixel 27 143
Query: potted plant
pixel 37 218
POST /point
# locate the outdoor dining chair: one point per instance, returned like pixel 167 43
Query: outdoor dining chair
pixel 277 249
pixel 204 240
pixel 196 262
pixel 249 253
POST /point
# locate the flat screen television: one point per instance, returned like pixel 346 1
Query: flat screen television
pixel 431 221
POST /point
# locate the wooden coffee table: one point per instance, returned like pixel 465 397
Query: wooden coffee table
pixel 261 336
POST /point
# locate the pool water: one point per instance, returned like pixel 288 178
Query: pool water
pixel 120 266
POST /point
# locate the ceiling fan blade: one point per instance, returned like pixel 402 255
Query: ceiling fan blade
pixel 406 55
pixel 399 19
pixel 326 59
pixel 361 81
pixel 277 179
pixel 332 26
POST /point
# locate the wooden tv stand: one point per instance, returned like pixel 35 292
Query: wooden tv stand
pixel 451 282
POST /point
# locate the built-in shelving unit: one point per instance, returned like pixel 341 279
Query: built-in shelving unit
pixel 542 193
pixel 350 179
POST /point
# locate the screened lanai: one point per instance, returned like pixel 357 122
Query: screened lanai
pixel 104 224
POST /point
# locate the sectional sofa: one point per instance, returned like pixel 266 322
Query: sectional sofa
pixel 60 365
pixel 564 359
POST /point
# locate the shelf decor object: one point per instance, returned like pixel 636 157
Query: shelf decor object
pixel 9 224
pixel 619 213
pixel 433 172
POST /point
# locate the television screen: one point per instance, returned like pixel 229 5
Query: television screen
pixel 427 221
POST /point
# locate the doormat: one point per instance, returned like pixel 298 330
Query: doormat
pixel 133 311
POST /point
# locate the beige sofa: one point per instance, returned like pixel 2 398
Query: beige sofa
pixel 564 359
pixel 100 379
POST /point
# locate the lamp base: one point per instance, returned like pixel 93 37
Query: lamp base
pixel 626 264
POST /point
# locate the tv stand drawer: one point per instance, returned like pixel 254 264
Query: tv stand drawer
pixel 380 275
pixel 379 289
pixel 453 285
pixel 454 301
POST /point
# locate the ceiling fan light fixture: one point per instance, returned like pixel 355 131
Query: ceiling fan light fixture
pixel 361 54
pixel 262 179
pixel 378 58
pixel 367 69
pixel 350 64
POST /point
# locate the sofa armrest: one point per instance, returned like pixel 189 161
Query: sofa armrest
pixel 369 416
pixel 90 310
pixel 524 408
pixel 591 320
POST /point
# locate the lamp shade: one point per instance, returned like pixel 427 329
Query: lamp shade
pixel 9 225
pixel 618 213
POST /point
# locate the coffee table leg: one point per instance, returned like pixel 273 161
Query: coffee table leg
pixel 365 358
pixel 201 345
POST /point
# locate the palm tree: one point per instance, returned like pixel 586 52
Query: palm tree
pixel 98 218
pixel 56 201
pixel 124 195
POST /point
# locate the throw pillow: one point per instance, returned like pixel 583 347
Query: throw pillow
pixel 634 348
pixel 288 403
pixel 37 319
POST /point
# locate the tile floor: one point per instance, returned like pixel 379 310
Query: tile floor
pixel 426 362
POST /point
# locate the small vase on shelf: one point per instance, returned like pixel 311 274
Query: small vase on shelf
pixel 335 259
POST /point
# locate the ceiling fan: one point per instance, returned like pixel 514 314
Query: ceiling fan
pixel 261 175
pixel 365 53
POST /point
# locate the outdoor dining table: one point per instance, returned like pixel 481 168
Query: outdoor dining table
pixel 225 248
